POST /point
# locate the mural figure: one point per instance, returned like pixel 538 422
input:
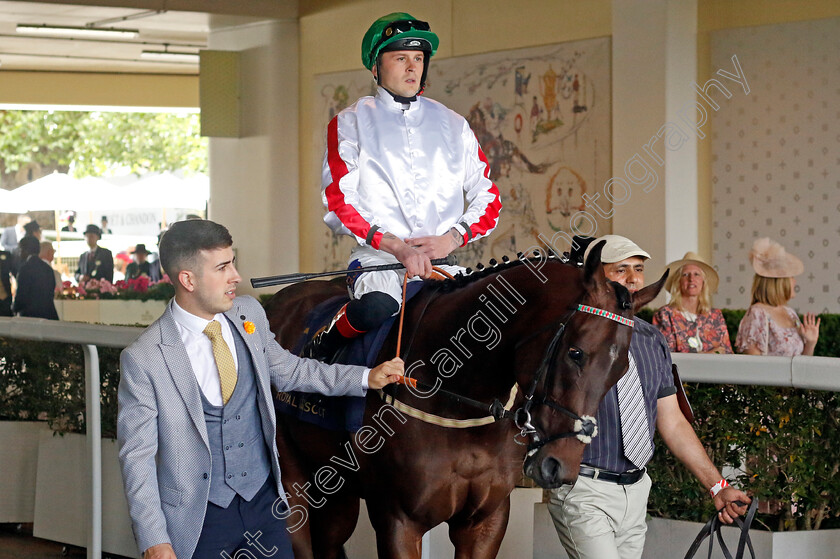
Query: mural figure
pixel 521 81
pixel 549 91
pixel 563 197
pixel 500 152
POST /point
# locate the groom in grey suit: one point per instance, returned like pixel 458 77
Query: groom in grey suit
pixel 196 421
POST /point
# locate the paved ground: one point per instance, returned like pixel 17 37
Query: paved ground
pixel 15 544
pixel 18 543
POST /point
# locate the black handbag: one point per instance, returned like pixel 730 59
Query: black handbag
pixel 713 527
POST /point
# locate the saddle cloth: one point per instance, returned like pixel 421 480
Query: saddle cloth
pixel 337 413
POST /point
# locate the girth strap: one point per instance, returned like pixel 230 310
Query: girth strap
pixel 433 419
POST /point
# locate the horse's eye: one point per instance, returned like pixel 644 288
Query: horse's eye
pixel 576 355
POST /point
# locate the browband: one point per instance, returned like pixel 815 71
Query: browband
pixel 606 314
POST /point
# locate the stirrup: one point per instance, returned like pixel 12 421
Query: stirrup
pixel 325 344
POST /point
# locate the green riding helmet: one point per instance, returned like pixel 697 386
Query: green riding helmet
pixel 398 31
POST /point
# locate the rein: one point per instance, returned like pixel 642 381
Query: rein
pixel 496 409
pixel 584 427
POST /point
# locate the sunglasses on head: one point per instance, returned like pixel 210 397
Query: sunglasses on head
pixel 402 26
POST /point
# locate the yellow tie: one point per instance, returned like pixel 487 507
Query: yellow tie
pixel 224 359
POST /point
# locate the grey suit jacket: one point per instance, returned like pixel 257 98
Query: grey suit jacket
pixel 8 239
pixel 164 450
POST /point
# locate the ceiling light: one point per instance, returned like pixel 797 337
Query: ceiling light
pixel 78 32
pixel 170 56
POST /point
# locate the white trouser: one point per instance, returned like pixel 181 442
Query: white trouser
pixel 387 281
pixel 598 519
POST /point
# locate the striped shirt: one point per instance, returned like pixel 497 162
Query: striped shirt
pixel 650 350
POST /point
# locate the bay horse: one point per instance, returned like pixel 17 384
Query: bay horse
pixel 513 333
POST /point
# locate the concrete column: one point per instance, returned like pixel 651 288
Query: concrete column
pixel 654 151
pixel 254 178
pixel 681 203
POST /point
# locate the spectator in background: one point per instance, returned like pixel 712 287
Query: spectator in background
pixel 688 322
pixel 36 283
pixel 121 262
pixel 104 228
pixel 12 235
pixel 141 266
pixel 98 262
pixel 770 327
pixel 32 229
pixel 5 283
pixel 47 254
pixel 71 223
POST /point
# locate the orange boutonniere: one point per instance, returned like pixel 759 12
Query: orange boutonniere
pixel 249 327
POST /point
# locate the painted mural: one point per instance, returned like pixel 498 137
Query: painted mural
pixel 542 117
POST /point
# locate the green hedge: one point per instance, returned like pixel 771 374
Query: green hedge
pixel 791 437
pixel 46 381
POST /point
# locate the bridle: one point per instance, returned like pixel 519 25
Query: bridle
pixel 584 427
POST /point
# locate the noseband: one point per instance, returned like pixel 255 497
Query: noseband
pixel 584 427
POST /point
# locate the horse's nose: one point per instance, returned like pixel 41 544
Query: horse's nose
pixel 550 469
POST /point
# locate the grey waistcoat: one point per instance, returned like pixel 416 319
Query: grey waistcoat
pixel 238 452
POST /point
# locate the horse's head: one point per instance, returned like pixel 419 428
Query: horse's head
pixel 585 359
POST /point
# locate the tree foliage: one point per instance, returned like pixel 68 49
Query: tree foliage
pixel 100 143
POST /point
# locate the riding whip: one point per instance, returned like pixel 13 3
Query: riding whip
pixel 295 278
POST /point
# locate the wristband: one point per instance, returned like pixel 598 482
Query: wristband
pixel 716 488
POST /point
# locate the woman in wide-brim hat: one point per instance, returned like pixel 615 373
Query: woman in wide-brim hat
pixel 689 322
pixel 770 327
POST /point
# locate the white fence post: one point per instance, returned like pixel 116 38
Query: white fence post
pixel 93 426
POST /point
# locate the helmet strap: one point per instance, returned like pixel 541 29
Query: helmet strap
pixel 427 57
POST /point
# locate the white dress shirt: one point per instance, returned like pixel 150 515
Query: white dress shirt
pixel 200 350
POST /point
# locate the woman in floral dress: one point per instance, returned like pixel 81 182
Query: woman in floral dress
pixel 770 327
pixel 688 322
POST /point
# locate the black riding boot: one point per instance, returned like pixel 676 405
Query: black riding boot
pixel 324 345
pixel 354 319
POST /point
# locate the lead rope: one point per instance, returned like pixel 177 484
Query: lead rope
pixel 402 314
pixel 441 272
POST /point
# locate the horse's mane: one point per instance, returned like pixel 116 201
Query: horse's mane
pixel 470 276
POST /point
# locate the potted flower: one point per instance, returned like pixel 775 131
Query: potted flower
pixel 134 301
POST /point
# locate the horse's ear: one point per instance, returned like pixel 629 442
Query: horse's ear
pixel 649 293
pixel 592 268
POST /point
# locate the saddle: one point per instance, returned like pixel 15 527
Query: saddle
pixel 337 413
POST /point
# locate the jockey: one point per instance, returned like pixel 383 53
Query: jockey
pixel 403 175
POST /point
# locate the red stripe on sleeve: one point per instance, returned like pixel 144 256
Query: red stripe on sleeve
pixel 491 213
pixel 347 214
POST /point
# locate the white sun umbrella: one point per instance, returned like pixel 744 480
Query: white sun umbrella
pixel 8 205
pixel 59 191
pixel 160 190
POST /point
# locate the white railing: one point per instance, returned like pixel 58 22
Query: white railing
pixel 817 373
pixel 88 336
